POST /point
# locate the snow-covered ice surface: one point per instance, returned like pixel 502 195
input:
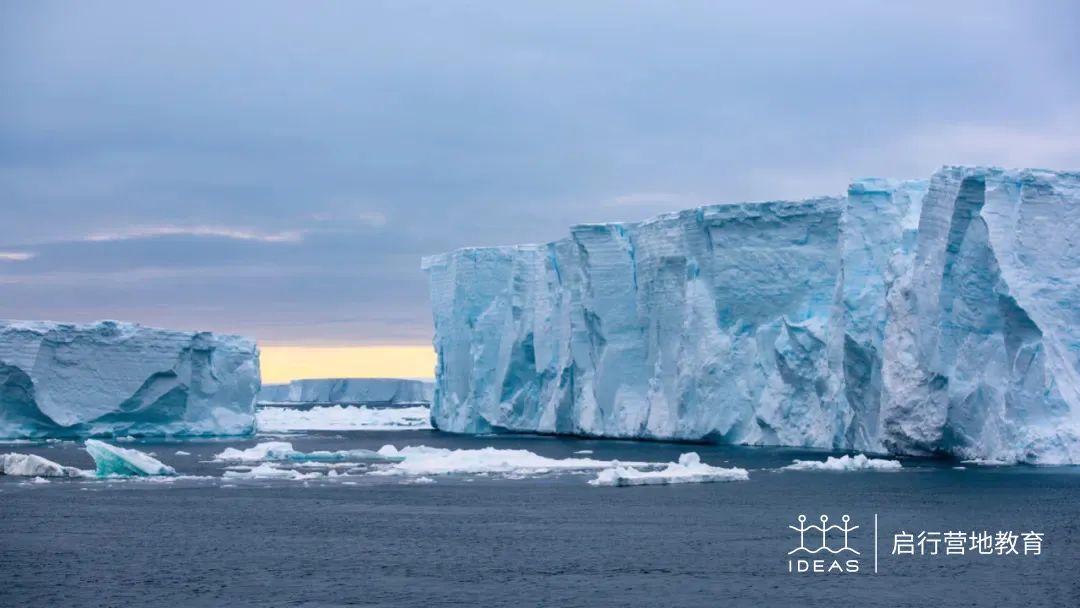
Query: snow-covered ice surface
pixel 385 391
pixel 283 450
pixel 270 471
pixel 115 461
pixel 423 461
pixel 342 418
pixel 32 465
pixel 689 469
pixel 920 317
pixel 111 378
pixel 858 462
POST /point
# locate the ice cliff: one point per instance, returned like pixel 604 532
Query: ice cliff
pixel 388 391
pixel 918 317
pixel 110 378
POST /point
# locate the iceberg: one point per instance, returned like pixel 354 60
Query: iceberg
pixel 689 469
pixel 858 462
pixel 369 391
pixel 32 465
pixel 112 379
pixel 932 316
pixel 270 419
pixel 124 462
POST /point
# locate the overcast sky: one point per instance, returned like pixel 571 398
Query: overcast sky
pixel 277 170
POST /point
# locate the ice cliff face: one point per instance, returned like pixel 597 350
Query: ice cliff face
pixel 390 391
pixel 982 344
pixel 884 320
pixel 62 380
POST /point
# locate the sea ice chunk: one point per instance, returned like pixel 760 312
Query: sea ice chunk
pixel 269 471
pixel 858 462
pixel 689 469
pixel 32 465
pixel 112 460
pixel 267 450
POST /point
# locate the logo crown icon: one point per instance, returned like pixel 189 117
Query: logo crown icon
pixel 824 529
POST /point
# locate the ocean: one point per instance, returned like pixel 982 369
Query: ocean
pixel 533 538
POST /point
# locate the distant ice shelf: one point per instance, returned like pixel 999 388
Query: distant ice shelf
pixel 907 317
pixel 346 391
pixel 111 378
pixel 271 419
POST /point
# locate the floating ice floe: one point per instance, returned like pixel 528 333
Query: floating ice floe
pixel 423 461
pixel 269 471
pixel 124 462
pixel 32 465
pixel 988 462
pixel 182 453
pixel 858 462
pixel 342 418
pixel 283 450
pixel 689 469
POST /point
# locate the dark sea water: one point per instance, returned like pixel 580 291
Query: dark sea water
pixel 551 540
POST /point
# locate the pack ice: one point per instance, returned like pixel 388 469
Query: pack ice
pixel 911 317
pixel 110 378
pixel 385 391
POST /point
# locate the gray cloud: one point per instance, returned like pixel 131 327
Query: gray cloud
pixel 278 171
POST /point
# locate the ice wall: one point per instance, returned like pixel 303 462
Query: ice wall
pixel 110 378
pixel 782 323
pixel 982 344
pixel 389 391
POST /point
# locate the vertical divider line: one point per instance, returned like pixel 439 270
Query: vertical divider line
pixel 875 543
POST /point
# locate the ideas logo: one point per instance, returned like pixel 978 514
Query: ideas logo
pixel 832 542
pixel 828 548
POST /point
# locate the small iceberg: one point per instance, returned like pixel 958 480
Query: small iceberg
pixel 32 465
pixel 267 450
pixel 858 462
pixel 283 450
pixel 516 464
pixel 124 462
pixel 689 469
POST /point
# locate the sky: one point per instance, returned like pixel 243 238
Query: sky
pixel 277 169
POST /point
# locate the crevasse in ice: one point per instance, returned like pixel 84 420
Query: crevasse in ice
pixel 917 317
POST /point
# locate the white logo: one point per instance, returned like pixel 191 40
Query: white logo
pixel 824 528
pixel 818 538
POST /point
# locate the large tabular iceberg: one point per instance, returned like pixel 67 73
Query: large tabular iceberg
pixel 383 391
pixel 911 317
pixel 62 380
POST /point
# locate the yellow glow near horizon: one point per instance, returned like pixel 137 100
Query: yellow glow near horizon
pixel 283 363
